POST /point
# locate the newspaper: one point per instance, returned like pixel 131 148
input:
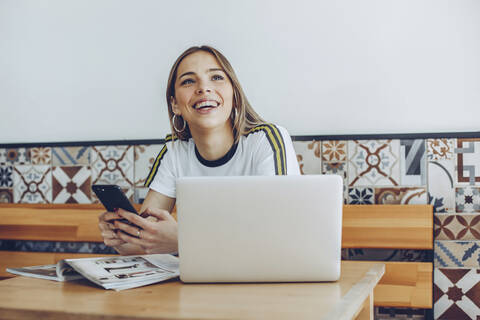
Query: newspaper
pixel 117 273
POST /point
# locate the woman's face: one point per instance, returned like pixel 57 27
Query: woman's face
pixel 203 93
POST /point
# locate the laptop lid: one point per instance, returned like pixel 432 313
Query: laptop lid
pixel 259 228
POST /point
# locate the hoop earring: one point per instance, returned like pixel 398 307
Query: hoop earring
pixel 234 115
pixel 175 127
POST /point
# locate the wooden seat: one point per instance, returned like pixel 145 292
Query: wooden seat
pixel 405 284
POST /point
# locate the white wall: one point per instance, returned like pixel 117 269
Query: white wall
pixel 97 69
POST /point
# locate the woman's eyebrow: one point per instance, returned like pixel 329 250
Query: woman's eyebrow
pixel 186 74
pixel 193 73
pixel 215 69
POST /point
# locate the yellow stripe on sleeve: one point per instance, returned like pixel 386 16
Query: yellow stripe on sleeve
pixel 159 158
pixel 283 152
pixel 276 142
pixel 154 170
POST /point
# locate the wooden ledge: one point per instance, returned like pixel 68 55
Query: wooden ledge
pixel 388 226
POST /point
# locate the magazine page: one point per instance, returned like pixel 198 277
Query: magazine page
pixel 124 272
pixel 49 272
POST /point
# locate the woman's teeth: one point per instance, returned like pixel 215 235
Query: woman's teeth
pixel 206 104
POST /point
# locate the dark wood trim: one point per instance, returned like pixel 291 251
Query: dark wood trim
pixel 402 136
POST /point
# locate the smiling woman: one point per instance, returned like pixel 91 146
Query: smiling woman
pixel 222 76
pixel 202 97
pixel 215 132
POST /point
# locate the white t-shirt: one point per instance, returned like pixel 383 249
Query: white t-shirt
pixel 265 150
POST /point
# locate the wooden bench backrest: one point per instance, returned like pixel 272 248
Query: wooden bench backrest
pixel 51 222
pixel 364 226
pixel 388 226
pixel 405 284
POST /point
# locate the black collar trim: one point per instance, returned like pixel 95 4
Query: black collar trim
pixel 219 162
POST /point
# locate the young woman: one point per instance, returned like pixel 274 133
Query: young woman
pixel 215 132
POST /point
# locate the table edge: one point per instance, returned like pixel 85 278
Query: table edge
pixel 354 299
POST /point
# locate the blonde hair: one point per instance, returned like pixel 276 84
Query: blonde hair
pixel 243 117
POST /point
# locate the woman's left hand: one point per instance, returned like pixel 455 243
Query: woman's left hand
pixel 157 232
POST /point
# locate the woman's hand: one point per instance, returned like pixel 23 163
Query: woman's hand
pixel 107 229
pixel 156 231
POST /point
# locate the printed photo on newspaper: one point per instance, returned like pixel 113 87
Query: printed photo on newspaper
pixel 117 272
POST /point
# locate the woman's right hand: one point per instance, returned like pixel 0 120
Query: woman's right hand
pixel 111 236
pixel 107 229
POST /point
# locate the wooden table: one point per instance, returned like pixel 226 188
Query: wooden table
pixel 349 298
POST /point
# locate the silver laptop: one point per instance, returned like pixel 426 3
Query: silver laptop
pixel 260 228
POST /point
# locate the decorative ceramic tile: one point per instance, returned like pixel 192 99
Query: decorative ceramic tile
pixel 373 163
pixel 382 313
pixel 413 164
pixel 467 199
pixel 145 156
pixel 440 149
pixel 457 254
pixel 6 195
pixel 41 155
pixel 6 179
pixel 113 165
pixel 388 255
pixel 32 184
pixel 400 196
pixel 71 184
pixel 334 151
pixel 338 168
pixel 66 156
pixel 15 156
pixel 441 191
pixel 360 196
pixel 468 161
pixel 140 194
pixel 456 294
pixel 456 227
pixel 308 156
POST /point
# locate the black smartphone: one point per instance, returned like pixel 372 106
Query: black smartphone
pixel 112 197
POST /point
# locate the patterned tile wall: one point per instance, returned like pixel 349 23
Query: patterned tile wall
pixel 442 172
pixel 454 190
pixel 66 174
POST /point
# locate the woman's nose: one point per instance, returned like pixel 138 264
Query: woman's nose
pixel 202 88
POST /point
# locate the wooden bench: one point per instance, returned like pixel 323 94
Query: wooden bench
pixel 405 284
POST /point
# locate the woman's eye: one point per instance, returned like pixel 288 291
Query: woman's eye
pixel 217 77
pixel 186 82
